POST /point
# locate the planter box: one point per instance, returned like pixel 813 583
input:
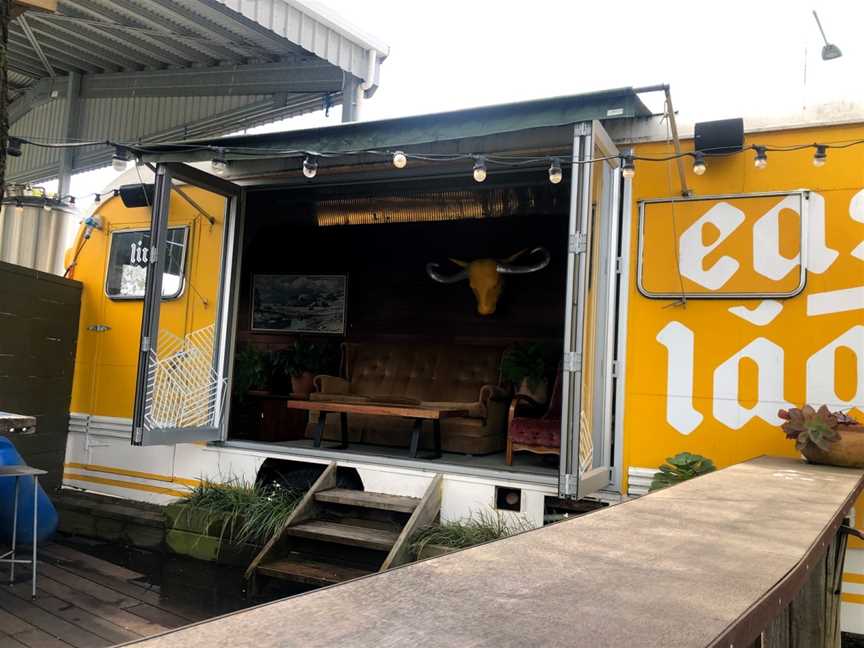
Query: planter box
pixel 193 533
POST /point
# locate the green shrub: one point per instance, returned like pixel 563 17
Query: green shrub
pixel 478 528
pixel 247 513
pixel 679 468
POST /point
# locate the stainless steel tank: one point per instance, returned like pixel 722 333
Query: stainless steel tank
pixel 35 229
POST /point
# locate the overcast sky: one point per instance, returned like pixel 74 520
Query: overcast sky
pixel 723 59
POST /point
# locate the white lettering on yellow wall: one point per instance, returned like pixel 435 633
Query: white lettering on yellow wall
pixel 727 407
pixel 856 211
pixel 767 259
pixel 819 255
pixel 835 301
pixel 692 251
pixel 761 315
pixel 679 343
pixel 821 371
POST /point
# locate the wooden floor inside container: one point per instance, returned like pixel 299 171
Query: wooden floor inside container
pixel 82 601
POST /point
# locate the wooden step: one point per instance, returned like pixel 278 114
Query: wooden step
pixel 311 572
pixel 346 534
pixel 365 499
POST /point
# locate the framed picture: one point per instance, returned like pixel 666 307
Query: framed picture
pixel 291 303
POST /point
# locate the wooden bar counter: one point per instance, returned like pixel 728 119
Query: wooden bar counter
pixel 714 561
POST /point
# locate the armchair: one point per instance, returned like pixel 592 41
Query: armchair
pixel 540 435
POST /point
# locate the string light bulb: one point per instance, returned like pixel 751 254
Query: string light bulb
pixel 479 168
pixel 310 167
pixel 699 167
pixel 628 166
pixel 820 157
pixel 120 161
pixel 556 175
pixel 219 165
pixel 400 160
pixel 13 147
pixel 761 159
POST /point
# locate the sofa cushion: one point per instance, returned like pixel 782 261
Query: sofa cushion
pixel 536 432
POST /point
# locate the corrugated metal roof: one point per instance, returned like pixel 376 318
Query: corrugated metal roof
pixel 615 104
pixel 169 69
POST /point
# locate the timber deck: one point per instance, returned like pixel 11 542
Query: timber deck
pixel 82 602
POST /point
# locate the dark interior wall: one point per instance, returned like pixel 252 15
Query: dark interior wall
pixel 38 335
pixel 389 292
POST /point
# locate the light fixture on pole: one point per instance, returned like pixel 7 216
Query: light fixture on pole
pixel 400 160
pixel 628 166
pixel 829 50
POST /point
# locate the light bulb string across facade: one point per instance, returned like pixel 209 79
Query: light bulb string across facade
pixel 125 153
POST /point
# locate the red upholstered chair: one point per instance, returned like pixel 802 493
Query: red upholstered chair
pixel 540 435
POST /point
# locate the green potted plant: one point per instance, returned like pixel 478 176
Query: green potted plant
pixel 441 538
pixel 825 437
pixel 524 366
pixel 297 365
pixel 679 468
pixel 251 369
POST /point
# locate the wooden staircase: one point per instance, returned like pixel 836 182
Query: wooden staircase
pixel 336 534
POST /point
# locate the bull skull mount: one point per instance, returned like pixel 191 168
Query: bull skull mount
pixel 484 275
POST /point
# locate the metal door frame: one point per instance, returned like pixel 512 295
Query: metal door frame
pixel 586 137
pixel 165 175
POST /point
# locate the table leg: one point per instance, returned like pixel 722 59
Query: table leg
pixel 319 428
pixel 415 438
pixel 35 524
pixel 14 530
pixel 343 424
pixel 436 427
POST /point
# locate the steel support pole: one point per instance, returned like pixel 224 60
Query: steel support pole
pixel 14 530
pixel 69 132
pixel 350 109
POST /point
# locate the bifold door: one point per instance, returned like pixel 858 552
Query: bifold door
pixel 181 384
pixel 586 425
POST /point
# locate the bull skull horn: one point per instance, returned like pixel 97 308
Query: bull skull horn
pixel 507 266
pixel 432 271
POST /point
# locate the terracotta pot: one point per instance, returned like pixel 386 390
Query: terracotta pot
pixel 847 452
pixel 302 384
pixel 538 394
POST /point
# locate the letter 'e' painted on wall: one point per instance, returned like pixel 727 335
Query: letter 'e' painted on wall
pixel 692 251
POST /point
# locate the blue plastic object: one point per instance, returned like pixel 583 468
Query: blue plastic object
pixel 46 523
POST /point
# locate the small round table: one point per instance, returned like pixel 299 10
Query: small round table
pixel 9 557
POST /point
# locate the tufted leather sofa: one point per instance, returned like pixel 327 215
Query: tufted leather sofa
pixel 462 376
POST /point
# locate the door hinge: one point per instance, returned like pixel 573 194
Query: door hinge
pixel 577 243
pixel 615 373
pixel 137 436
pixel 619 264
pixel 145 344
pixel 570 485
pixel 98 328
pixel 572 361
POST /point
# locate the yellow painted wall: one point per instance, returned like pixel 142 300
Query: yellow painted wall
pixel 793 336
pixel 105 362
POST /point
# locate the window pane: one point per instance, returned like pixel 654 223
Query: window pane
pixel 127 263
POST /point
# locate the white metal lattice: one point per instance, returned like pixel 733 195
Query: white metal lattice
pixel 183 387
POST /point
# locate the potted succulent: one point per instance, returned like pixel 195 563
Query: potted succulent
pixel 300 363
pixel 524 366
pixel 681 467
pixel 825 437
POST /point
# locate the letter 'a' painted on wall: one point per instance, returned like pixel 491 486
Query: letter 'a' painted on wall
pixel 822 371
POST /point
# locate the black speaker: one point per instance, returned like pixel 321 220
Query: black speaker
pixel 137 195
pixel 721 136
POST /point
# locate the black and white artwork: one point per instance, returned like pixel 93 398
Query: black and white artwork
pixel 299 303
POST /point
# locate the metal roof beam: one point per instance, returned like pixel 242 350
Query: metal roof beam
pixel 79 42
pixel 119 11
pixel 75 48
pixel 25 27
pixel 129 39
pixel 213 31
pixel 63 60
pixel 260 78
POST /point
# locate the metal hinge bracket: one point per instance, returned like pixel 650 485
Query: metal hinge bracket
pixel 570 485
pixel 137 435
pixel 145 344
pixel 572 361
pixel 577 243
pixel 615 373
pixel 619 264
pixel 98 328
